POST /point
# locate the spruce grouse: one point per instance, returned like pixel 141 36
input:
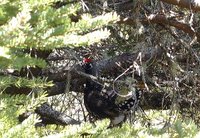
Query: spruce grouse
pixel 102 105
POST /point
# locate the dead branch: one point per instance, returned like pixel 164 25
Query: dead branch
pixel 50 116
pixel 194 5
pixel 163 20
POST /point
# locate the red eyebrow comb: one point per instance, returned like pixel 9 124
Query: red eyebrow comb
pixel 87 60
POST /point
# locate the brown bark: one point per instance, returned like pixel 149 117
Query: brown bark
pixel 180 3
pixel 49 116
pixel 185 4
pixel 163 20
pixel 156 101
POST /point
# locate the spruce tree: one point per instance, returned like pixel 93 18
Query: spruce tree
pixel 28 26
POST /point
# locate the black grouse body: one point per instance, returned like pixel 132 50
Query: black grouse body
pixel 102 105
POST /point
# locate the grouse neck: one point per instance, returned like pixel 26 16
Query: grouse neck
pixel 88 66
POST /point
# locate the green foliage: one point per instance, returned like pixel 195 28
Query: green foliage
pixel 7 10
pixel 6 81
pixel 176 129
pixel 11 107
pixel 189 130
pixel 24 130
pixel 42 26
pixel 37 25
pixel 186 129
pixel 11 59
